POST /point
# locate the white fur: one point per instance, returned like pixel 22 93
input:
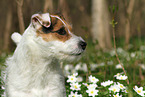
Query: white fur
pixel 34 69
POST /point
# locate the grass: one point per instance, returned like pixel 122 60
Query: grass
pixel 106 72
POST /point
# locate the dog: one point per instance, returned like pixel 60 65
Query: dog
pixel 34 70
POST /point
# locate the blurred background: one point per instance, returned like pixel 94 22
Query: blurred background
pixel 89 18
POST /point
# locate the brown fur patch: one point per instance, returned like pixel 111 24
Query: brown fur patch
pixel 56 25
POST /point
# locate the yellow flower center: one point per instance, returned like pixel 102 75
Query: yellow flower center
pixel 118 74
pixel 126 90
pixel 76 86
pixel 115 95
pixel 93 79
pixel 138 91
pixel 73 96
pixel 92 92
pixel 121 86
pixel 87 85
pixel 121 77
pixel 114 90
pixel 71 79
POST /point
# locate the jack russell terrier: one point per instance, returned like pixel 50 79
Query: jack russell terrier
pixel 34 69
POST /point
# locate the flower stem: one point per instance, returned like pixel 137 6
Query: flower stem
pixel 117 54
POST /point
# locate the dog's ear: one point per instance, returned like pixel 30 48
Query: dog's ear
pixel 41 20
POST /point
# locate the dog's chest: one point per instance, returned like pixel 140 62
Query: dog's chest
pixel 46 76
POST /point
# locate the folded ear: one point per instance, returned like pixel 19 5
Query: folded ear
pixel 41 20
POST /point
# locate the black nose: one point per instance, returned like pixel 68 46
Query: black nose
pixel 82 44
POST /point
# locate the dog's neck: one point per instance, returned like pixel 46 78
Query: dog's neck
pixel 28 53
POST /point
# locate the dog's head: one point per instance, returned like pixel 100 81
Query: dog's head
pixel 55 38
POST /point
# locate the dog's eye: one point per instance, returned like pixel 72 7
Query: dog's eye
pixel 47 30
pixel 61 31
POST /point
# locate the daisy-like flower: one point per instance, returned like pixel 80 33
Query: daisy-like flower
pixel 118 66
pixel 92 86
pixel 107 83
pixel 110 62
pixel 121 86
pixel 75 86
pixel 86 84
pixel 93 79
pixel 121 77
pixel 118 74
pixel 139 90
pixel 68 67
pixel 72 79
pixel 79 79
pixel 117 95
pixel 133 55
pixel 126 90
pixel 75 74
pixel 75 94
pixel 92 92
pixel 114 88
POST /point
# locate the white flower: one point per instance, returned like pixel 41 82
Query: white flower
pixel 118 74
pixel 126 91
pixel 75 86
pixel 117 95
pixel 121 77
pixel 93 79
pixel 121 86
pixel 139 91
pixel 133 55
pixel 68 67
pixel 112 53
pixel 93 67
pixel 84 67
pixel 3 88
pixel 92 92
pixel 106 83
pixel 79 79
pixel 118 66
pixel 78 66
pixel 114 88
pixel 92 86
pixel 101 64
pixel 142 47
pixel 81 67
pixel 72 79
pixel 85 84
pixel 110 62
pixel 75 74
pixel 142 66
pixel 120 50
pixel 75 94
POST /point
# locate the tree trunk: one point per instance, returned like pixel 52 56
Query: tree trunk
pixel 64 9
pixel 48 6
pixel 20 15
pixel 7 29
pixel 101 24
pixel 129 14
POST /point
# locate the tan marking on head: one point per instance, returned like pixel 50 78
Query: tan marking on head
pixel 56 25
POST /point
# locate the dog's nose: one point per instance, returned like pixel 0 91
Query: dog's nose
pixel 82 44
